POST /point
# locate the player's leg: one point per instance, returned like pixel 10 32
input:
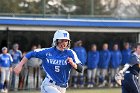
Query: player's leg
pixel 75 76
pixel 93 76
pixel 30 78
pixel 25 72
pixel 111 77
pixel 89 73
pixel 124 90
pixel 38 79
pixel 116 71
pixel 104 74
pixel 7 78
pixel 135 85
pixel 3 76
pixel 62 90
pixel 130 84
pixel 98 76
pixel 82 78
pixel 139 78
pixel 49 89
pixel 15 79
pixel 102 78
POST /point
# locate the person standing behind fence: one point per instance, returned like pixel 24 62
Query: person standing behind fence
pixel 82 56
pixel 126 52
pixel 32 64
pixel 92 62
pixel 103 65
pixel 16 55
pixel 115 62
pixel 5 67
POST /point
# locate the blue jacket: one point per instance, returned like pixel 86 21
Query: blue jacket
pixel 125 56
pixel 104 59
pixel 81 53
pixel 5 60
pixel 16 55
pixel 116 58
pixel 93 59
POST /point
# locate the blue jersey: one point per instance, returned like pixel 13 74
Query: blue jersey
pixel 81 53
pixel 93 59
pixel 55 62
pixel 116 58
pixel 125 56
pixel 16 55
pixel 5 60
pixel 104 59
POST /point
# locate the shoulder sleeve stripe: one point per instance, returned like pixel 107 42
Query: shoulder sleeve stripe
pixel 75 57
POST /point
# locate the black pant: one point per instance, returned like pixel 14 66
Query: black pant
pixel 130 84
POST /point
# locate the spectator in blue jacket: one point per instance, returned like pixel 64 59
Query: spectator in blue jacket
pixel 82 56
pixel 5 67
pixel 103 64
pixel 16 55
pixel 126 52
pixel 92 62
pixel 116 58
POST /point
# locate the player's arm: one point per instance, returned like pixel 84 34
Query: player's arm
pixel 11 60
pixel 75 62
pixel 36 53
pixel 126 66
pixel 77 66
pixel 18 68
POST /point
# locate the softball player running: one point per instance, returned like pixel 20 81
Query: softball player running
pixel 5 66
pixel 57 62
pixel 92 62
pixel 32 65
pixel 16 55
pixel 131 71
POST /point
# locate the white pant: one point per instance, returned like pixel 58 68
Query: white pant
pixel 112 74
pixel 48 87
pixel 91 74
pixel 102 72
pixel 5 74
pixel 15 79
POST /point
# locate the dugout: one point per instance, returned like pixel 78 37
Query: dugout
pixel 33 31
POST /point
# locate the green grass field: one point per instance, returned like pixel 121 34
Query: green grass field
pixel 101 90
pixel 109 90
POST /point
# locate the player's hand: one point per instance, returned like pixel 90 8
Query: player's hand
pixel 18 69
pixel 119 77
pixel 70 61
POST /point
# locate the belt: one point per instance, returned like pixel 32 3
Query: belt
pixel 127 72
pixel 132 74
pixel 58 84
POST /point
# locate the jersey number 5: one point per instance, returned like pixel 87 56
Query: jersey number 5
pixel 57 68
